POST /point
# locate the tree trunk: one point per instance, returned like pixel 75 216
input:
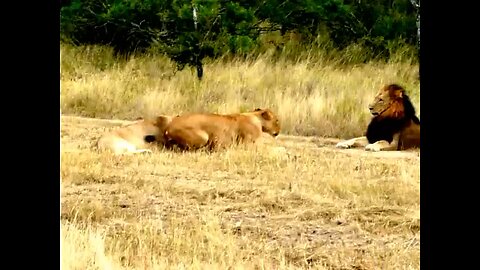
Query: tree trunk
pixel 416 4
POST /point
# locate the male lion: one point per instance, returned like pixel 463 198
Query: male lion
pixel 213 131
pixel 394 125
pixel 135 137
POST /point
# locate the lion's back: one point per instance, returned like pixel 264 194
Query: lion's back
pixel 202 121
pixel 225 128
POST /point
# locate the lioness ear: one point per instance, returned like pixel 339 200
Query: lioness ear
pixel 163 120
pixel 257 109
pixel 267 115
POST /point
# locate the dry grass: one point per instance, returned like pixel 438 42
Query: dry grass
pixel 291 203
pixel 311 97
pixel 294 202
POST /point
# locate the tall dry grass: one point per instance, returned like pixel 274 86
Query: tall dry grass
pixel 313 96
pixel 308 206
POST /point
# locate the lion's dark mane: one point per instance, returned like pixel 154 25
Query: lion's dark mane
pixel 383 128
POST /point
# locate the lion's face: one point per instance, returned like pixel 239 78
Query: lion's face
pixel 270 122
pixel 385 98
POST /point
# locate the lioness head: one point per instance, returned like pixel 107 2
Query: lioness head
pixel 270 122
pixel 161 122
pixel 388 101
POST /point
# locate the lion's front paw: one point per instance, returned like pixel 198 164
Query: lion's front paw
pixel 343 145
pixel 373 147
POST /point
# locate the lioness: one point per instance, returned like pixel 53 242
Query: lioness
pixel 213 131
pixel 135 137
pixel 394 125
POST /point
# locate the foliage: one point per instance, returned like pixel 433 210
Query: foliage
pixel 236 26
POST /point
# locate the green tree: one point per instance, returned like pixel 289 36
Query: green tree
pixel 305 16
pixel 135 25
pixel 188 31
pixel 207 28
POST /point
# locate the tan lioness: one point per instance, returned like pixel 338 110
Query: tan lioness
pixel 213 131
pixel 136 137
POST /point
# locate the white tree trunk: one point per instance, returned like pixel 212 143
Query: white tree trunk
pixel 416 4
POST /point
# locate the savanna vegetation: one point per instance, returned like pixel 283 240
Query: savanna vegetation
pixel 292 203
